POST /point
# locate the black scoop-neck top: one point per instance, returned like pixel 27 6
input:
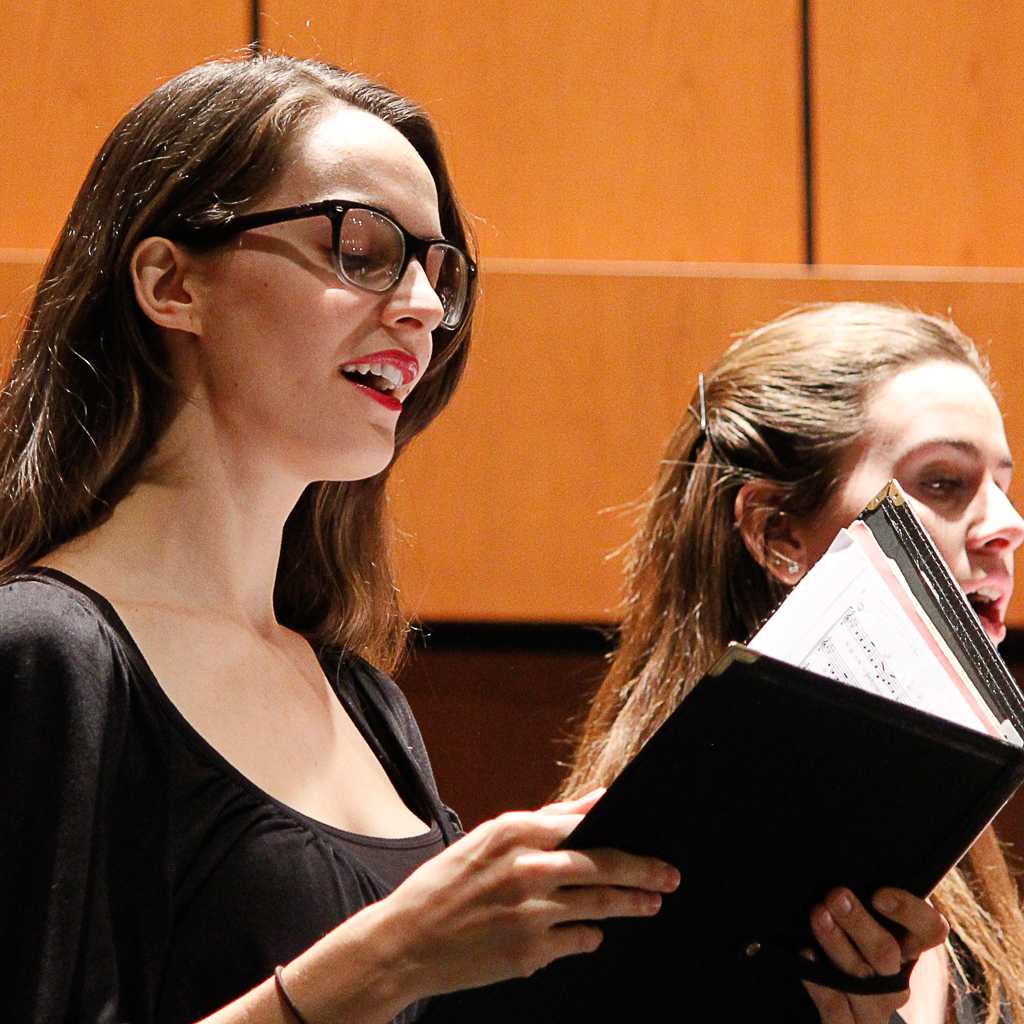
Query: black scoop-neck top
pixel 142 877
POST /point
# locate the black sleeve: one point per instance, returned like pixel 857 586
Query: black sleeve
pixel 387 697
pixel 413 738
pixel 62 713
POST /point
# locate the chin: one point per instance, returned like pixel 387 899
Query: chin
pixel 370 464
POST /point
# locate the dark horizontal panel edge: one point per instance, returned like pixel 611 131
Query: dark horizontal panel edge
pixel 570 638
pixel 546 637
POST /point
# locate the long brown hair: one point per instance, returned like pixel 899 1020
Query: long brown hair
pixel 90 393
pixel 784 405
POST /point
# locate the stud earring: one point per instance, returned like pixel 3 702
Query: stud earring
pixel 790 567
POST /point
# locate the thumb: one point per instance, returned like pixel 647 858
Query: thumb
pixel 578 805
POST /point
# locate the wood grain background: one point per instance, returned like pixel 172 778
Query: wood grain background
pixel 635 175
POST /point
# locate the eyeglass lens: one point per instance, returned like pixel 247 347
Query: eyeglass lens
pixel 371 250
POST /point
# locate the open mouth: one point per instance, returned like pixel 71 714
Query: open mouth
pixel 381 377
pixel 986 605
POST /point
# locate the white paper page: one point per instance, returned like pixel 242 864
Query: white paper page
pixel 842 622
pixel 893 575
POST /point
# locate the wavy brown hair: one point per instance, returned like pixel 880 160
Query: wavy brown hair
pixel 90 392
pixel 784 405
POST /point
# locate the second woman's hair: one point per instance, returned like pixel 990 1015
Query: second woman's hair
pixel 784 406
pixel 90 392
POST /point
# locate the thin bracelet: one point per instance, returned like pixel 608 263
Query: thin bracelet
pixel 285 998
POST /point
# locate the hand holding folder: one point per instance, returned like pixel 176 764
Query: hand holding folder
pixel 772 784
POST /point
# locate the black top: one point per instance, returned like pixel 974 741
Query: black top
pixel 142 877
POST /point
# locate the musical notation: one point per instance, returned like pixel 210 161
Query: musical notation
pixel 851 651
pixel 849 621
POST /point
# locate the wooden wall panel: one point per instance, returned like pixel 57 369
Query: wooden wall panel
pixel 511 504
pixel 497 721
pixel 584 129
pixel 917 112
pixel 71 71
pixel 574 388
pixel 19 271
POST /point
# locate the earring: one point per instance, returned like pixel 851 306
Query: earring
pixel 787 564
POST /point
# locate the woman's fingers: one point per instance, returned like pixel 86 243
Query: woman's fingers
pixel 837 1007
pixel 573 939
pixel 598 903
pixel 833 1007
pixel 852 938
pixel 924 926
pixel 858 944
pixel 534 829
pixel 578 805
pixel 531 840
pixel 506 899
pixel 561 868
pixel 836 944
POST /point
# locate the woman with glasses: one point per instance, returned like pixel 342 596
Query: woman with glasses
pixel 214 801
pixel 795 429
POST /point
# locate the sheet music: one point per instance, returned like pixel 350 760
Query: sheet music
pixel 846 621
pixel 848 652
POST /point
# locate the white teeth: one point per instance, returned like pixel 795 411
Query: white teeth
pixel 390 376
pixel 987 594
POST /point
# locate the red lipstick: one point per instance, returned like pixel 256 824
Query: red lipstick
pixel 405 363
pixel 384 376
pixel 388 401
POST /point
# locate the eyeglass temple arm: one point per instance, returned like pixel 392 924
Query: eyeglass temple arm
pixel 245 221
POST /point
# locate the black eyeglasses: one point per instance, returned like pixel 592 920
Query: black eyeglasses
pixel 370 250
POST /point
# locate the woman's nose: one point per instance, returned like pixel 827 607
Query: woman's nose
pixel 1001 525
pixel 413 302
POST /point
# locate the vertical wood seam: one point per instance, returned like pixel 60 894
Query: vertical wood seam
pixel 808 131
pixel 255 38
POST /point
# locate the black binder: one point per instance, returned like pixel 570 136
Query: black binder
pixel 768 786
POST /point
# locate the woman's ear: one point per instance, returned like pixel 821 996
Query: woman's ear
pixel 163 284
pixel 770 535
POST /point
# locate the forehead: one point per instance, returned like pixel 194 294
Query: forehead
pixel 348 153
pixel 929 401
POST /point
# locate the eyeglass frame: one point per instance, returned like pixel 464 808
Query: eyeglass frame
pixel 413 246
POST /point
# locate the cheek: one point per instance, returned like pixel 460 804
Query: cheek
pixel 845 506
pixel 344 313
pixel 824 532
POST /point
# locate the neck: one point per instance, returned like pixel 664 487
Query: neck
pixel 201 529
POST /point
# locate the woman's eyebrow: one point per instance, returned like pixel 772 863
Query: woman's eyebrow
pixel 959 444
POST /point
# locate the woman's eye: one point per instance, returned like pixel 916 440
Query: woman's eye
pixel 356 261
pixel 942 486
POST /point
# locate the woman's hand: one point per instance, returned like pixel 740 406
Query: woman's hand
pixel 857 944
pixel 503 901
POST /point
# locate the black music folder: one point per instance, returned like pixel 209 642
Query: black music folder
pixel 771 784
